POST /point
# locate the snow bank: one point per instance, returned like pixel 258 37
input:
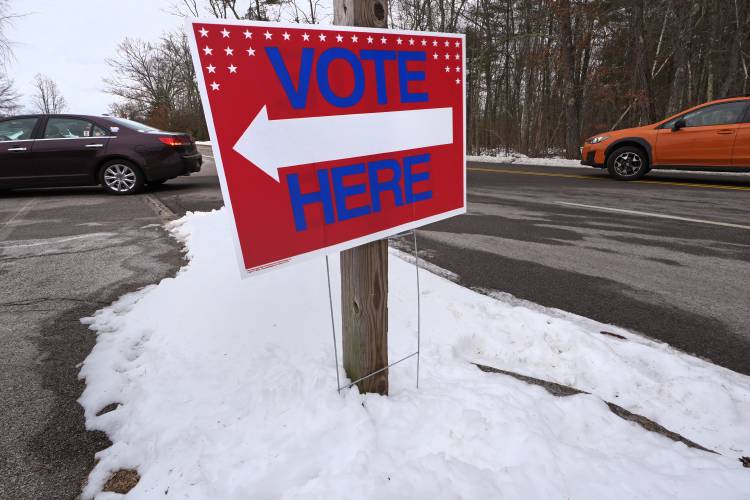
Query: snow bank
pixel 520 159
pixel 556 161
pixel 227 391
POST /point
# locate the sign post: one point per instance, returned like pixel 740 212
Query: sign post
pixel 330 139
pixel 364 269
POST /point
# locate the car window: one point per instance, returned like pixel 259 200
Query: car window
pixel 18 129
pixel 132 125
pixel 725 113
pixel 99 132
pixel 67 128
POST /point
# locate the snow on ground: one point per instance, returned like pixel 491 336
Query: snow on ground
pixel 556 161
pixel 227 391
pixel 519 159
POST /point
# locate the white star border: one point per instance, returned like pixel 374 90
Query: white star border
pixel 438 47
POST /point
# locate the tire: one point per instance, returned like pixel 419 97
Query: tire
pixel 121 177
pixel 628 163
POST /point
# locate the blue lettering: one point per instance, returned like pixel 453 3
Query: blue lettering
pixel 324 84
pixel 411 178
pixel 379 57
pixel 377 187
pixel 405 76
pixel 341 192
pixel 299 200
pixel 297 97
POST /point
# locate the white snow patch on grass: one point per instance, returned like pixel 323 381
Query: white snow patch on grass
pixel 227 391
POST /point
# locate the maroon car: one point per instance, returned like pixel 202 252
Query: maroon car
pixel 76 150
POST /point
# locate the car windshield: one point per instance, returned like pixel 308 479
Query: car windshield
pixel 133 125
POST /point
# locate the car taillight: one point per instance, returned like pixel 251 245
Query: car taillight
pixel 175 141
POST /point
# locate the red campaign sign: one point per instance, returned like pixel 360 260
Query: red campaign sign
pixel 326 138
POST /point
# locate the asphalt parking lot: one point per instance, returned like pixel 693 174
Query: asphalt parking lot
pixel 668 257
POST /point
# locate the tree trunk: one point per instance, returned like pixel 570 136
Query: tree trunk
pixel 569 76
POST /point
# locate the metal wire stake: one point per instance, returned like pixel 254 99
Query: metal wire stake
pixel 419 304
pixel 333 326
pixel 380 370
pixel 419 325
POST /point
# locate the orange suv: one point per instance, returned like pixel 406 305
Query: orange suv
pixel 713 136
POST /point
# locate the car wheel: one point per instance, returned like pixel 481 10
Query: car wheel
pixel 121 177
pixel 627 163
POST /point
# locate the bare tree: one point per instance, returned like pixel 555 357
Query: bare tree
pixel 144 74
pixel 5 19
pixel 544 74
pixel 300 11
pixel 156 83
pixel 8 97
pixel 47 97
pixel 306 11
pixel 569 77
pixel 223 9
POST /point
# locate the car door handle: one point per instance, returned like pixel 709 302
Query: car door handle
pixel 725 132
pixel 94 145
pixel 16 149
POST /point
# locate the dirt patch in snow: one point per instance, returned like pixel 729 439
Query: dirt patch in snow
pixel 122 481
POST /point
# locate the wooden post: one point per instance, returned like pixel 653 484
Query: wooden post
pixel 365 13
pixel 364 269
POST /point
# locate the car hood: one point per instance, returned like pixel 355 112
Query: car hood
pixel 623 132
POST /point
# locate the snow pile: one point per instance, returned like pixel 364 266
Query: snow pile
pixel 520 159
pixel 556 161
pixel 227 391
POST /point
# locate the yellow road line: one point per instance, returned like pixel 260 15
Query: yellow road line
pixel 601 178
pixel 525 172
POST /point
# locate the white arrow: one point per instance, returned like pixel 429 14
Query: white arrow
pixel 275 144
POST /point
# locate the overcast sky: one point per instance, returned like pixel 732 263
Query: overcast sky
pixel 69 41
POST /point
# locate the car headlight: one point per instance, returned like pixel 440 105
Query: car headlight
pixel 598 139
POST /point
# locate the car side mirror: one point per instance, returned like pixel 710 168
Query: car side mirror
pixel 114 130
pixel 678 125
